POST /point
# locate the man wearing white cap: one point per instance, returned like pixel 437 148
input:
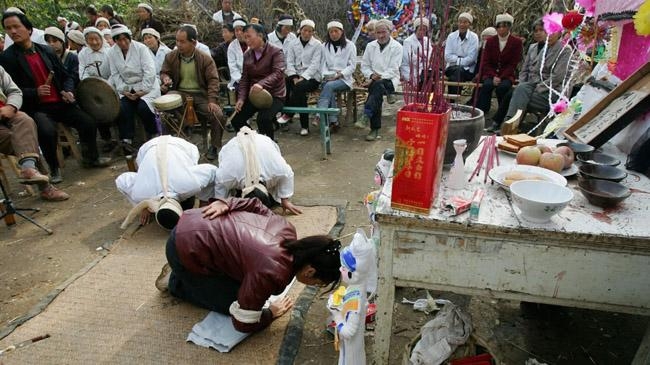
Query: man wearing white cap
pixel 151 38
pixel 55 39
pixel 303 71
pixel 416 50
pixel 461 52
pixel 133 75
pixel 501 56
pixel 38 36
pixel 226 15
pixel 236 51
pixel 339 63
pixel 169 177
pixel 380 66
pixel 102 23
pixel 76 40
pixel 282 36
pixel 146 19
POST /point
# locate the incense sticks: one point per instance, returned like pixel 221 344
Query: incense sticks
pixel 488 156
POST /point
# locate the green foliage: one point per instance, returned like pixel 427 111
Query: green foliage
pixel 43 13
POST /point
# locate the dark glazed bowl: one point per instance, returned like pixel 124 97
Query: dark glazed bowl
pixel 602 172
pixel 580 149
pixel 603 193
pixel 598 158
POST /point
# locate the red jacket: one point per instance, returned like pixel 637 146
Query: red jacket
pixel 502 64
pixel 268 71
pixel 243 244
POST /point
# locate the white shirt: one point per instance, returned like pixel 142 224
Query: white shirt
pixel 274 170
pixel 218 16
pixel 87 58
pixel 38 36
pixel 304 61
pixel 343 60
pixel 235 62
pixel 185 177
pixel 159 57
pixel 137 71
pixel 412 49
pixel 385 63
pixel 275 40
pixel 462 52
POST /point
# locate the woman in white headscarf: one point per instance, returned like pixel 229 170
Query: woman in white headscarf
pixel 133 75
pixel 151 38
pixel 93 59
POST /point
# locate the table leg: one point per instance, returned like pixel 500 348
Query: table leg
pixel 385 298
pixel 642 356
pixel 325 137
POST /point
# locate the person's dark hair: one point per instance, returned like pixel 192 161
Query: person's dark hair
pixel 539 22
pixel 342 42
pixel 321 253
pixel 258 29
pixel 115 38
pixel 508 24
pixel 91 9
pixel 22 17
pixel 65 42
pixel 190 31
pixel 230 28
pixel 262 196
pixel 108 10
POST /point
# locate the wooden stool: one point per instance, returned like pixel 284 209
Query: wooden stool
pixel 511 126
pixel 66 139
pixel 13 164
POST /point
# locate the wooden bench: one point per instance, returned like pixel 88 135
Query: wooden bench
pixel 325 138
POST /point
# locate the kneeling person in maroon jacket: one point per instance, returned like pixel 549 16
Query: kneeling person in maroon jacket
pixel 231 257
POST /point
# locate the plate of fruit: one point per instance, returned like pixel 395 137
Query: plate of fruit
pixel 559 159
pixel 507 174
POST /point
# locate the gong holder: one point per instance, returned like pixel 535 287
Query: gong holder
pixel 10 211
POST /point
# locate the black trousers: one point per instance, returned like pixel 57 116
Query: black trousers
pixel 376 92
pixel 46 118
pixel 297 96
pixel 215 292
pixel 485 93
pixel 457 74
pixel 265 117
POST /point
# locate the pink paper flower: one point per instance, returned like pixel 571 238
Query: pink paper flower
pixel 553 23
pixel 560 107
pixel 588 5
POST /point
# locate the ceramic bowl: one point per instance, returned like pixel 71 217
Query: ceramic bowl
pixel 580 149
pixel 602 172
pixel 598 158
pixel 603 193
pixel 538 201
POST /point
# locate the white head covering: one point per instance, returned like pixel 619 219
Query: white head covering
pixel 102 19
pixel 467 16
pixel 371 24
pixel 70 26
pixel 88 30
pixel 146 6
pixel 60 18
pixel 106 32
pixel 421 21
pixel 118 29
pixel 76 36
pixel 308 23
pixel 239 22
pixel 504 18
pixel 13 9
pixel 385 23
pixel 489 31
pixel 151 31
pixel 334 24
pixel 286 22
pixel 55 32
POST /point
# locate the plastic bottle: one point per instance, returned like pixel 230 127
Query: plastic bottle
pixel 457 178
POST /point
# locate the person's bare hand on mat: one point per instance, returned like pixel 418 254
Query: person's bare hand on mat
pixel 281 306
pixel 145 217
pixel 287 205
pixel 215 209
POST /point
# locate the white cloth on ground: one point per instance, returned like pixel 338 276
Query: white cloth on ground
pixel 186 177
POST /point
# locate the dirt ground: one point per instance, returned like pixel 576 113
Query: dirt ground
pixel 33 264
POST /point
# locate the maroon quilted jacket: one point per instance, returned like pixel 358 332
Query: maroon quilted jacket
pixel 244 244
pixel 502 64
pixel 268 71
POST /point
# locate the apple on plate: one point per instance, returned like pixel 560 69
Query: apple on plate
pixel 552 161
pixel 568 155
pixel 544 148
pixel 528 155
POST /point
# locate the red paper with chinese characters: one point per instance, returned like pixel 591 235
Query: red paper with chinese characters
pixel 419 153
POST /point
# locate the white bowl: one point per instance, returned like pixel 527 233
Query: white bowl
pixel 538 201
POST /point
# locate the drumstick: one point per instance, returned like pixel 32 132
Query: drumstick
pixel 48 82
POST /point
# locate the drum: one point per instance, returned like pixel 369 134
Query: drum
pixel 168 102
pixel 261 99
pixel 96 97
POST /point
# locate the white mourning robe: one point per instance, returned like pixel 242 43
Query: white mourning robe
pixel 235 62
pixel 159 57
pixel 413 49
pixel 185 177
pixel 87 59
pixel 385 63
pixel 343 60
pixel 275 40
pixel 304 61
pixel 137 71
pixel 275 172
